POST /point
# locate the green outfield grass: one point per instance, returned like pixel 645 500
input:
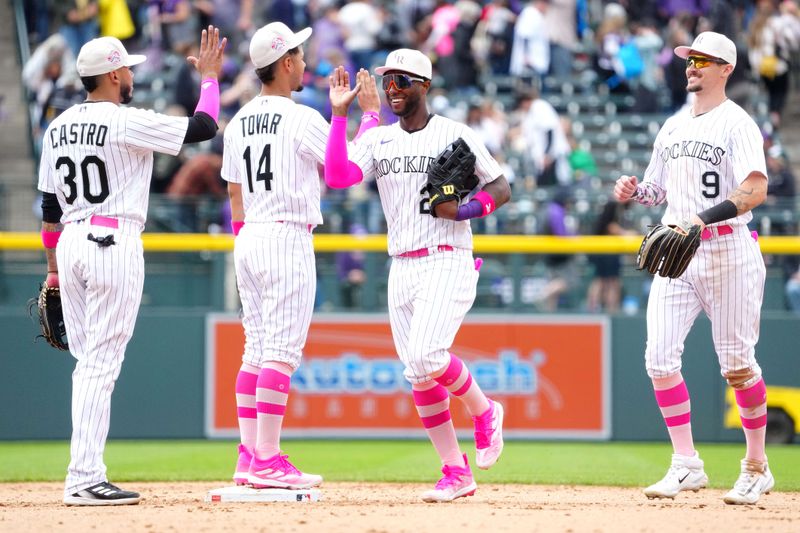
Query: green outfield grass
pixel 551 463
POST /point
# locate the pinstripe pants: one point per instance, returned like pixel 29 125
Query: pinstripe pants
pixel 101 290
pixel 277 280
pixel 428 300
pixel 726 281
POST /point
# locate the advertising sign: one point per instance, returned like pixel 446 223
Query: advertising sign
pixel 551 374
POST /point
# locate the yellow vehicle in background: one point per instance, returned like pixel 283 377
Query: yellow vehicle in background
pixel 783 413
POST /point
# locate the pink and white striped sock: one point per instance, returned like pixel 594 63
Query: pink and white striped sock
pixel 246 404
pixel 272 394
pixel 672 397
pixel 752 403
pixel 457 379
pixel 433 406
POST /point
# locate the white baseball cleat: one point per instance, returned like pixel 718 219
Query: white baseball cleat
pixel 753 481
pixel 488 436
pixel 456 483
pixel 685 473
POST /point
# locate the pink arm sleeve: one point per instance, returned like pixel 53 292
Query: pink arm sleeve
pixel 339 171
pixel 209 98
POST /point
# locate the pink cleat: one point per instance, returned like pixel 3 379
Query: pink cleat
pixel 456 483
pixel 242 465
pixel 278 472
pixel 488 436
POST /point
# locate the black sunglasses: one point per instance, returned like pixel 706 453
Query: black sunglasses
pixel 401 81
pixel 703 62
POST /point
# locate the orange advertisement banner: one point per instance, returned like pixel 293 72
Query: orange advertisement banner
pixel 551 373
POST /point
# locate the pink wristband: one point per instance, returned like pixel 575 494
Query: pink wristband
pixel 50 238
pixel 209 98
pixel 486 201
pixel 369 120
pixel 236 226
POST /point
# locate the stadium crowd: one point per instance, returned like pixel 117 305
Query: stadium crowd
pixel 567 94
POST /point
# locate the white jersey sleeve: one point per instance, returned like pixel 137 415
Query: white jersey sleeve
pixel 230 168
pixel 314 139
pixel 486 167
pixel 153 132
pixel 746 149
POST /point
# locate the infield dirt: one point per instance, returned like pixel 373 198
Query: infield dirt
pixel 371 507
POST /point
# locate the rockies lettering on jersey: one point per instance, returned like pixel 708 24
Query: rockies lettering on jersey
pixel 697 149
pixel 408 163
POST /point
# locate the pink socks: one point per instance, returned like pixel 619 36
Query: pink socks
pixel 672 397
pixel 457 379
pixel 246 404
pixel 272 393
pixel 433 406
pixel 752 403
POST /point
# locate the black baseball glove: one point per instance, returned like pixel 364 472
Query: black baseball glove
pixel 451 176
pixel 667 250
pixel 51 316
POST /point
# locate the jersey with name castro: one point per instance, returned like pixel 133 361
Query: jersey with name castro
pixel 97 158
pixel 699 161
pixel 273 147
pixel 399 161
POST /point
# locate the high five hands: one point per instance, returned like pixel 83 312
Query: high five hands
pixel 341 95
pixel 209 60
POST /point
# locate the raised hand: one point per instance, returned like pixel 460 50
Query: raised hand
pixel 624 188
pixel 209 60
pixel 341 95
pixel 368 98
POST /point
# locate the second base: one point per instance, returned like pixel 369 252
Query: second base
pixel 249 494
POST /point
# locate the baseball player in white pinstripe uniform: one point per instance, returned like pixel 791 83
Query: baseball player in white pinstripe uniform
pixel 708 166
pixel 433 275
pixel 273 148
pixel 96 165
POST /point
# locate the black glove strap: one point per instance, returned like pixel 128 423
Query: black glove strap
pixel 102 242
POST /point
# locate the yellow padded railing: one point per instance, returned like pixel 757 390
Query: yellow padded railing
pixel 488 244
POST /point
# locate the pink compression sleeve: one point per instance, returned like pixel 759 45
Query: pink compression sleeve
pixel 339 171
pixel 209 98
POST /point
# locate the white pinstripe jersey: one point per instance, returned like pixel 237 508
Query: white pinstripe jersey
pixel 699 161
pixel 399 161
pixel 273 147
pixel 97 157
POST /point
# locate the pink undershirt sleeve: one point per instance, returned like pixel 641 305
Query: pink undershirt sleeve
pixel 339 171
pixel 209 98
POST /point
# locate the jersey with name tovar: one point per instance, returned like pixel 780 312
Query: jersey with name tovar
pixel 398 160
pixel 274 147
pixel 97 157
pixel 699 161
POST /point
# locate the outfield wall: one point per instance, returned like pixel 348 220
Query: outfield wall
pixel 161 392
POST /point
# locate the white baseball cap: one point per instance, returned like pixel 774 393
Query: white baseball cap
pixel 406 60
pixel 711 44
pixel 105 54
pixel 272 41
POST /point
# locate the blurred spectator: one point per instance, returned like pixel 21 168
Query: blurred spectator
pixel 51 66
pixel 76 20
pixel 605 289
pixel 673 66
pixel 561 20
pixel 546 142
pixel 560 267
pixel 360 22
pixel 178 23
pixel 197 177
pixel 792 289
pixel 611 37
pixel 581 162
pixel 350 272
pixel 115 19
pixel 234 18
pixel 496 33
pixel 458 69
pixel 530 50
pixel 649 44
pixel 771 42
pixel 489 122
